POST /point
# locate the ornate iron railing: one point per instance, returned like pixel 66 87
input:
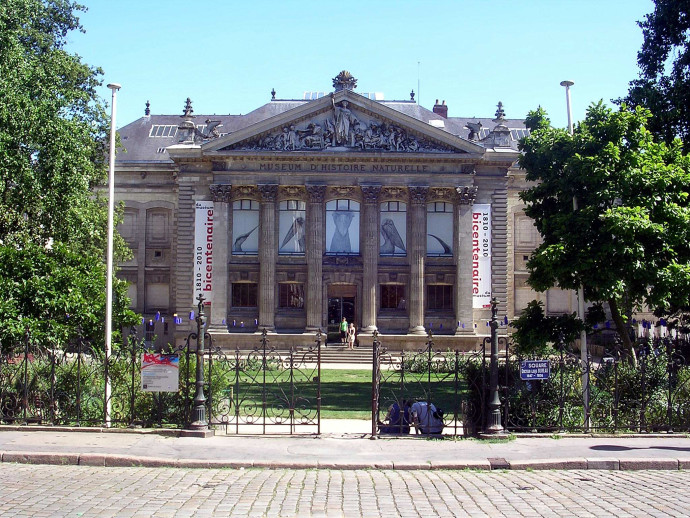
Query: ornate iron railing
pixel 445 378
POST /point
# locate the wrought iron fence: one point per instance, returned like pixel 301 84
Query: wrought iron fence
pixel 652 396
pixel 264 389
pixel 446 379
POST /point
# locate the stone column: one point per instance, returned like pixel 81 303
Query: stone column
pixel 417 255
pixel 463 260
pixel 314 243
pixel 267 256
pixel 219 307
pixel 370 255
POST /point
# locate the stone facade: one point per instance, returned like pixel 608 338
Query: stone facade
pixel 340 206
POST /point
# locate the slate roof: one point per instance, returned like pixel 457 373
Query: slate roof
pixel 140 146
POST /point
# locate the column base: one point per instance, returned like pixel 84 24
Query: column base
pixel 417 330
pixel 464 331
pixel 369 330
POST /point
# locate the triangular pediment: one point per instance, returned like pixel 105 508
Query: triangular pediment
pixel 342 122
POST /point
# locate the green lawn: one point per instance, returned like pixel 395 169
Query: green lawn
pixel 346 394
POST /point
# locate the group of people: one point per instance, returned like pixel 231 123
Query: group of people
pixel 348 333
pixel 423 415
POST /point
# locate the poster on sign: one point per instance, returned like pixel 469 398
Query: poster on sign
pixel 203 251
pixel 160 372
pixel 481 256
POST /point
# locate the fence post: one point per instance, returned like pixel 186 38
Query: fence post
pixel 669 373
pixel 561 402
pixel 375 366
pixel 643 406
pixel 319 337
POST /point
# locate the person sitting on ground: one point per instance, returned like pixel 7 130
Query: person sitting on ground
pixel 397 422
pixel 426 418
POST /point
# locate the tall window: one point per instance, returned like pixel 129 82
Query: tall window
pixel 245 227
pixel 439 297
pixel 342 227
pixel 291 295
pixel 393 296
pixel 439 229
pixel 393 228
pixel 291 221
pixel 244 294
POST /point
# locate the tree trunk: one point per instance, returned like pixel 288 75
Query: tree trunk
pixel 622 330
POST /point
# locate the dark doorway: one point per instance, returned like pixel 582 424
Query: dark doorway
pixel 341 303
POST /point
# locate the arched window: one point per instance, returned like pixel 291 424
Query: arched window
pixel 291 225
pixel 393 229
pixel 245 227
pixel 342 227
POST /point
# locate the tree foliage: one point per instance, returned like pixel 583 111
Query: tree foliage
pixel 628 241
pixel 537 334
pixel 53 135
pixel 664 61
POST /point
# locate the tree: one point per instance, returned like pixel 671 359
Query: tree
pixel 664 61
pixel 628 241
pixel 53 135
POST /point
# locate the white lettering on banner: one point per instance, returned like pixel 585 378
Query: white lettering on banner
pixel 203 251
pixel 481 256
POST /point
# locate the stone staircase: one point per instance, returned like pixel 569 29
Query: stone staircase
pixel 336 353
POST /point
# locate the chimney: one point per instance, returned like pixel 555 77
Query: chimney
pixel 441 109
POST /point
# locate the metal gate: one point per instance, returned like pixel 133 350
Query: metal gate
pixel 450 380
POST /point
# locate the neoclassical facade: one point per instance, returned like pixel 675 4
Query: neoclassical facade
pixel 302 212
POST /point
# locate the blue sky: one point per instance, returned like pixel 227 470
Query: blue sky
pixel 227 56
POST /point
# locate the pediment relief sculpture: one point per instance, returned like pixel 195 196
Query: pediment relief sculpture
pixel 341 128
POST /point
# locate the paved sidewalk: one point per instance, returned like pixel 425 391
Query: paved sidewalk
pixel 343 444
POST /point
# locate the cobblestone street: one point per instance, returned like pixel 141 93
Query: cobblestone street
pixel 36 490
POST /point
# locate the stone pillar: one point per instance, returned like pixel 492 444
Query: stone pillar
pixel 463 260
pixel 314 243
pixel 370 255
pixel 417 255
pixel 267 256
pixel 221 207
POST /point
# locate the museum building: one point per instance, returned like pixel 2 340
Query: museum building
pixel 302 212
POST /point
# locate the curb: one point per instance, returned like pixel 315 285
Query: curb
pixel 128 461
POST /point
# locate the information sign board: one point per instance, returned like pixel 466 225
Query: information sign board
pixel 535 370
pixel 160 372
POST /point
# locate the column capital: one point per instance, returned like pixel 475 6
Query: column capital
pixel 371 193
pixel 418 194
pixel 316 193
pixel 221 192
pixel 268 192
pixel 466 194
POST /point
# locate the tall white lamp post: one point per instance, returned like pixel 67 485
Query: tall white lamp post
pixel 580 291
pixel 109 274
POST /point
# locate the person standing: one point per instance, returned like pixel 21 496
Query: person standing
pixel 351 335
pixel 343 331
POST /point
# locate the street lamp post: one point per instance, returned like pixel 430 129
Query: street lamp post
pixel 580 290
pixel 114 87
pixel 493 421
pixel 199 422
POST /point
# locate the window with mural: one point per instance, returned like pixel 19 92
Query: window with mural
pixel 291 295
pixel 439 297
pixel 393 229
pixel 245 227
pixel 393 296
pixel 244 294
pixel 291 220
pixel 342 227
pixel 439 229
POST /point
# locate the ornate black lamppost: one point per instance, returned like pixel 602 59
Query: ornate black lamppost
pixel 493 420
pixel 199 425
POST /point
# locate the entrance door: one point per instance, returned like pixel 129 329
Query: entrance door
pixel 341 303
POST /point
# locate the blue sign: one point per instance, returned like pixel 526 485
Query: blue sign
pixel 535 370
